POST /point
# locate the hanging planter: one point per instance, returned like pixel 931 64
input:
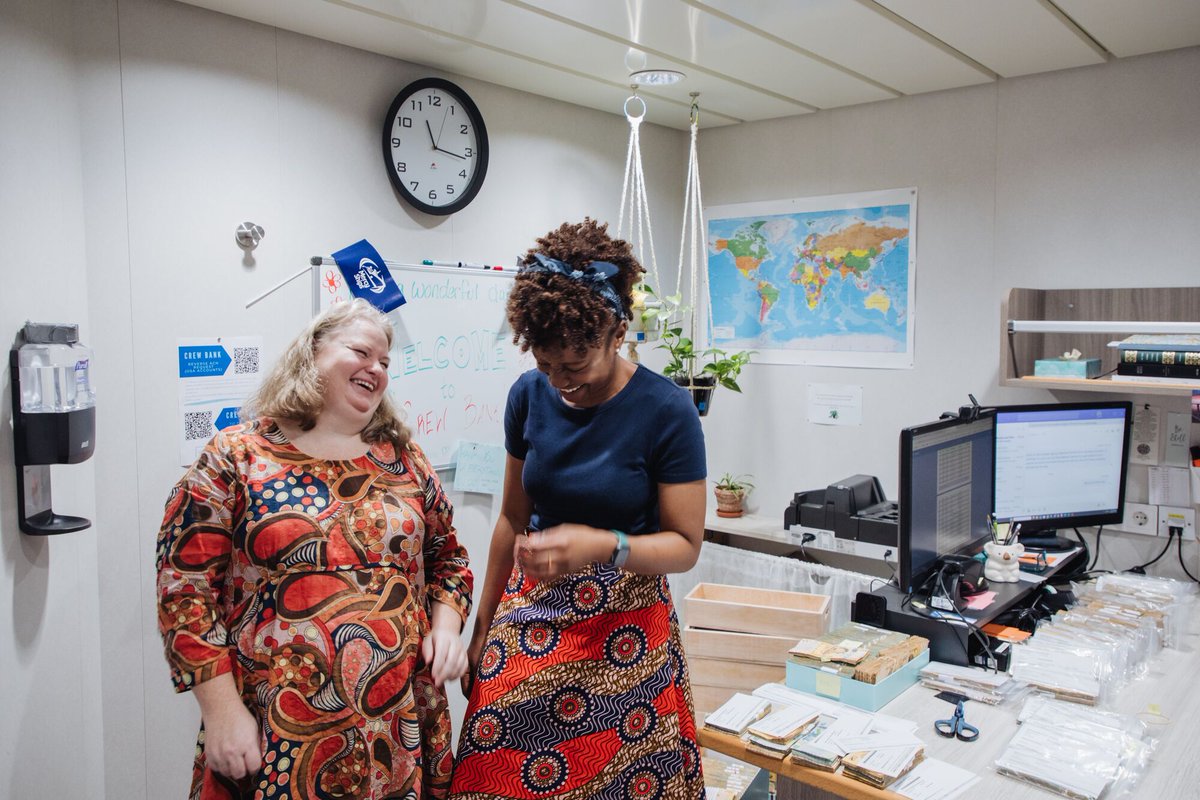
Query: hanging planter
pixel 699 372
pixel 701 388
pixel 646 325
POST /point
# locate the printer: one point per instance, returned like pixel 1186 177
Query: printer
pixel 853 508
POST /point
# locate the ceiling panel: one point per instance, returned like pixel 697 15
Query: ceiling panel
pixel 748 59
pixel 1011 38
pixel 858 37
pixel 1131 29
pixel 704 42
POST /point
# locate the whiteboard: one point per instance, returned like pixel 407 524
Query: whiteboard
pixel 453 359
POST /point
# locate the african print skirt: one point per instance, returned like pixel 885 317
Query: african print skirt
pixel 581 692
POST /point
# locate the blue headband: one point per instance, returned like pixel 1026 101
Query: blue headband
pixel 595 276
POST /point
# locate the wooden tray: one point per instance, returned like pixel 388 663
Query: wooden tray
pixel 795 615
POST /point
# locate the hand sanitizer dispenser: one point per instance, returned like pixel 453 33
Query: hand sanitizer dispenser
pixel 54 418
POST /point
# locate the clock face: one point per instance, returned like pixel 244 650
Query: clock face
pixel 435 146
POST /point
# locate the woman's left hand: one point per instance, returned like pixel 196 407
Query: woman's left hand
pixel 550 553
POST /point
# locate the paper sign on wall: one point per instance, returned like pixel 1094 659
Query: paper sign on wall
pixel 480 468
pixel 834 404
pixel 216 375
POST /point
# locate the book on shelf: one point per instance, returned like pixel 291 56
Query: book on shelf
pixel 1159 341
pixel 1161 370
pixel 1144 379
pixel 1189 358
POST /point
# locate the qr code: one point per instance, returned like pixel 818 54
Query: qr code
pixel 197 425
pixel 245 360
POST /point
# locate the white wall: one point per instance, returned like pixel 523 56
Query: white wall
pixel 51 733
pixel 1080 178
pixel 150 129
pixel 197 122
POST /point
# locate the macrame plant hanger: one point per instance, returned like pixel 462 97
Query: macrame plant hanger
pixel 634 226
pixel 692 243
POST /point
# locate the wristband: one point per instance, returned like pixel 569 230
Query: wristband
pixel 620 553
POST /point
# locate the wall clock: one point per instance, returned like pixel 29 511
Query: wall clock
pixel 435 146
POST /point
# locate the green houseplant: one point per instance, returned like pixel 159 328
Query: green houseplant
pixel 701 372
pixel 730 491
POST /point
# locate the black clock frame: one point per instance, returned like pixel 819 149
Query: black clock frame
pixel 481 161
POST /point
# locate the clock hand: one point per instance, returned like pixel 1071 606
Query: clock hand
pixel 447 152
pixel 431 140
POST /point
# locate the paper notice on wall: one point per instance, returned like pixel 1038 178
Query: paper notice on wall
pixel 1143 445
pixel 216 375
pixel 479 468
pixel 834 404
pixel 1170 486
pixel 1179 429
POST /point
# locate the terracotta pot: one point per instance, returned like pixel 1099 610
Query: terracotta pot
pixel 729 504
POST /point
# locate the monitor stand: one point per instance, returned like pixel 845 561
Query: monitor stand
pixel 1046 540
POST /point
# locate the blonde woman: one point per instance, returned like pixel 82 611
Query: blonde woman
pixel 311 586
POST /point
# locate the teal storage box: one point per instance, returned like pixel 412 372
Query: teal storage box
pixel 868 696
pixel 1066 367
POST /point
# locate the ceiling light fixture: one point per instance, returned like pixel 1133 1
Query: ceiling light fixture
pixel 656 77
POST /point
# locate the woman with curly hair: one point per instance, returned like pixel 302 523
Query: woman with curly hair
pixel 579 687
pixel 311 588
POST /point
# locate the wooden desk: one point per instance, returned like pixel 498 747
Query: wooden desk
pixel 1174 773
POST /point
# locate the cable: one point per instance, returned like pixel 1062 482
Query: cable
pixel 894 580
pixel 1185 569
pixel 1140 569
pixel 1096 558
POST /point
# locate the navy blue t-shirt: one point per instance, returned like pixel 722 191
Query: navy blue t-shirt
pixel 601 466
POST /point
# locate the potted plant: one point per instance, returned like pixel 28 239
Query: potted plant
pixel 730 492
pixel 721 368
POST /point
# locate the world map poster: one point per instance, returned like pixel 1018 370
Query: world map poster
pixel 818 280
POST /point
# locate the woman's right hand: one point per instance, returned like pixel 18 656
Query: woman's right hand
pixel 231 742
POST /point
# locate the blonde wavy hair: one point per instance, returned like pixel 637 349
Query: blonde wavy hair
pixel 293 390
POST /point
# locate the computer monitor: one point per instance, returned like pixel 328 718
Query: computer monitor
pixel 1061 465
pixel 945 493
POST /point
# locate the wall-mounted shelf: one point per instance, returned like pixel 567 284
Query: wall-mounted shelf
pixel 1019 350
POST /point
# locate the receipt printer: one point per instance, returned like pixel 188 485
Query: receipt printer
pixel 853 508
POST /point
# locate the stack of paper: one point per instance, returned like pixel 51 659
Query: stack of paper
pixel 880 768
pixel 773 734
pixel 971 682
pixel 736 714
pixel 820 745
pixel 1077 752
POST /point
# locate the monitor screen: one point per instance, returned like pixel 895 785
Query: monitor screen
pixel 1061 465
pixel 945 493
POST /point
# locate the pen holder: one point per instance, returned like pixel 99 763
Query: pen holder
pixel 1003 563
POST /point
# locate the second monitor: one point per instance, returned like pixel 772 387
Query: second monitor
pixel 1061 465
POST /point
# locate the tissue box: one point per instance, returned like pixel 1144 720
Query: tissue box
pixel 1066 368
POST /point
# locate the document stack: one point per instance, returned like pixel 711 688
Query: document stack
pixel 774 734
pixel 880 768
pixel 860 652
pixel 819 746
pixel 737 714
pixel 974 684
pixel 1158 358
pixel 1108 752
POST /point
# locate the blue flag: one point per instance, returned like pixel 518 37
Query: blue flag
pixel 368 277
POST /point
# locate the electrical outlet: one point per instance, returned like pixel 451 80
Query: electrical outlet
pixel 1174 517
pixel 1140 518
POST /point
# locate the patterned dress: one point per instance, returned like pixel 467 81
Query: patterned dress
pixel 311 581
pixel 581 691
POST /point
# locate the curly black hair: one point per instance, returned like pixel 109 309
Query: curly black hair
pixel 550 310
